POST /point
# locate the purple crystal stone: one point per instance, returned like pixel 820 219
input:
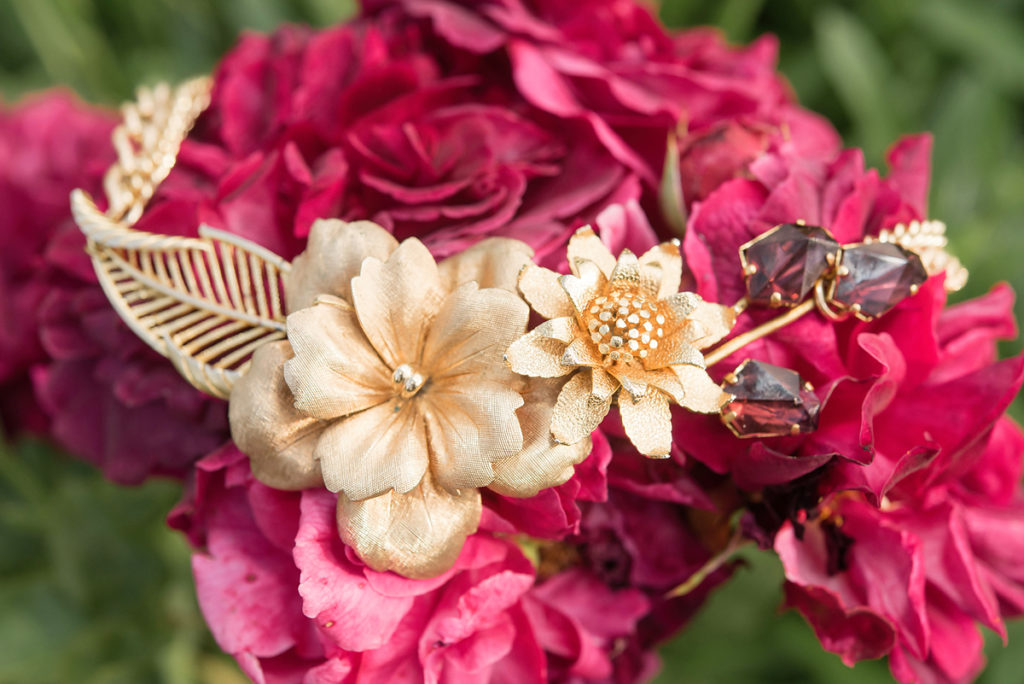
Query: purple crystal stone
pixel 878 276
pixel 769 401
pixel 785 262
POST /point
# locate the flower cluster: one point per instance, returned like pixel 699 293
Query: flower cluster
pixel 423 484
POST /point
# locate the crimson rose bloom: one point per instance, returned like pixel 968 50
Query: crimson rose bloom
pixel 49 145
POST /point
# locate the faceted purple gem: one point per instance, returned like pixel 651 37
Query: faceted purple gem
pixel 770 401
pixel 786 262
pixel 881 275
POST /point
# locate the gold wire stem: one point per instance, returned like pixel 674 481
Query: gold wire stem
pixel 726 348
pixel 736 542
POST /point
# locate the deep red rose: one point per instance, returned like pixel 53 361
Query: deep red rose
pixel 49 145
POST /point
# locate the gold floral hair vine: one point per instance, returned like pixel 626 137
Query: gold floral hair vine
pixel 405 385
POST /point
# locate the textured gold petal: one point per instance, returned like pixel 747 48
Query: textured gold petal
pixel 370 452
pixel 671 352
pixel 542 462
pixel 577 412
pixel 333 257
pixel 396 300
pixel 683 304
pixel 648 423
pixel 603 384
pixel 633 380
pixel 669 263
pixel 584 287
pixel 586 246
pixel 418 534
pixel 627 268
pixel 471 333
pixel 335 371
pixel 494 262
pixel 537 355
pixel 668 382
pixel 701 392
pixel 714 322
pixel 580 353
pixel 562 329
pixel 471 424
pixel 541 289
pixel 278 439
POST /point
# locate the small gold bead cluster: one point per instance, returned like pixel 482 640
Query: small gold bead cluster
pixel 624 324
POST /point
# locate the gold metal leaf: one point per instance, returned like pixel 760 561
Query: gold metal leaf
pixel 928 240
pixel 147 141
pixel 205 303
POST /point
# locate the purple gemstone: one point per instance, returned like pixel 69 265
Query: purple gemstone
pixel 786 262
pixel 880 276
pixel 769 401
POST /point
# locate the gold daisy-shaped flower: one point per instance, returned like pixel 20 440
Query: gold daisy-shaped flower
pixel 390 390
pixel 620 324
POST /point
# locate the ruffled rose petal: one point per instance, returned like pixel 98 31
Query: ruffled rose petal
pixel 265 424
pixel 648 422
pixel 542 291
pixel 586 246
pixel 418 534
pixel 470 424
pixel 471 332
pixel 333 256
pixel 370 452
pixel 537 355
pixel 335 371
pixel 542 462
pixel 494 262
pixel 577 412
pixel 666 259
pixel 396 300
pixel 701 393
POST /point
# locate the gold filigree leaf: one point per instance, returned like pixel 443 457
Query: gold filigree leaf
pixel 147 141
pixel 928 240
pixel 205 303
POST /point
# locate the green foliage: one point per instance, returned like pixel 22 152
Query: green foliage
pixel 94 587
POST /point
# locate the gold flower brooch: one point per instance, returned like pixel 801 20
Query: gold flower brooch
pixel 405 385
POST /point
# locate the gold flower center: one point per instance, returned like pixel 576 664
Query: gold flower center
pixel 408 380
pixel 624 323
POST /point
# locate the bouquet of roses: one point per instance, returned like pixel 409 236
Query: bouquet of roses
pixel 483 334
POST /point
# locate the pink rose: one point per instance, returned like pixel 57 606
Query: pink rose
pixel 285 597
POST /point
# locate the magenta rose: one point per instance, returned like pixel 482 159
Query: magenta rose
pixel 914 578
pixel 285 597
pixel 49 145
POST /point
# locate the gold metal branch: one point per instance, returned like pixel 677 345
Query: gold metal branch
pixel 205 303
